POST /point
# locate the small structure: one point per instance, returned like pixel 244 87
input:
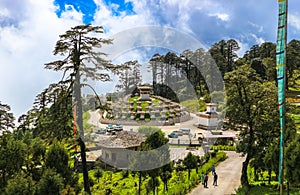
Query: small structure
pixel 145 93
pixel 118 149
pixel 219 137
pixel 209 119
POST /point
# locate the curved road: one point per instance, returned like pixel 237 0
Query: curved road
pixel 229 174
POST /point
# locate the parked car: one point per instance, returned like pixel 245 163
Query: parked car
pixel 118 127
pixel 109 128
pixel 101 131
pixel 180 133
pixel 173 135
pixel 185 131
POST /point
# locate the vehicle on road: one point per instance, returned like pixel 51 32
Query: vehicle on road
pixel 173 135
pixel 110 128
pixel 185 131
pixel 180 133
pixel 100 131
pixel 118 127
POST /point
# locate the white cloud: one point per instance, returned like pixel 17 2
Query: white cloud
pixel 114 24
pixel 4 13
pixel 258 27
pixel 222 16
pixel 243 48
pixel 294 20
pixel 258 40
pixel 72 14
pixel 26 45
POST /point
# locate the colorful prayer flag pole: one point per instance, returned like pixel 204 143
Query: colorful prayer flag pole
pixel 281 77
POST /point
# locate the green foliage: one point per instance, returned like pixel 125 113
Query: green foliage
pixel 194 105
pixel 57 159
pixel 12 156
pixel 52 117
pixel 266 190
pixel 292 158
pixel 98 174
pixel 20 184
pixel 129 77
pixel 252 109
pixel 6 118
pixel 148 130
pixel 50 183
pixel 177 181
pixel 86 126
pixel 223 147
pixel 190 162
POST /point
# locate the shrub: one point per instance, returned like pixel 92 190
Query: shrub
pixel 223 147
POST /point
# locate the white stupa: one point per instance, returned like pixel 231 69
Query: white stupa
pixel 209 119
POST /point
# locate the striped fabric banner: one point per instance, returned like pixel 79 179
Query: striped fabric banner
pixel 280 66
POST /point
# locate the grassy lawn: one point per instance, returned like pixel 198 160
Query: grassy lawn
pixel 267 190
pixel 294 89
pixel 144 104
pixel 86 126
pixel 194 105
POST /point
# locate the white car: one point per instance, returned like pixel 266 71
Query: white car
pixel 185 131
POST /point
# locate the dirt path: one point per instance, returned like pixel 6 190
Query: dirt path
pixel 229 174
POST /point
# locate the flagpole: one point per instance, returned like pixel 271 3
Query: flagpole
pixel 281 53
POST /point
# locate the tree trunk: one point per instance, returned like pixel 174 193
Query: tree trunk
pixel 269 173
pixel 140 183
pixel 84 167
pixel 77 93
pixel 167 185
pixel 244 177
pixel 153 186
pixel 255 174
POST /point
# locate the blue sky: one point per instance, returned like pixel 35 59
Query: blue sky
pixel 29 30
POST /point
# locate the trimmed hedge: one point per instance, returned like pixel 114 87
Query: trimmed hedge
pixel 223 147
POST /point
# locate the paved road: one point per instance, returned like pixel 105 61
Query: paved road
pixel 94 119
pixel 229 174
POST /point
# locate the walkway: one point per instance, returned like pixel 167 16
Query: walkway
pixel 229 174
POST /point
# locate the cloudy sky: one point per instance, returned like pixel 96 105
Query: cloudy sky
pixel 29 30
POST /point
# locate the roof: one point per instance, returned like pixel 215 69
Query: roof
pixel 145 87
pixel 122 139
pixel 211 104
pixel 225 134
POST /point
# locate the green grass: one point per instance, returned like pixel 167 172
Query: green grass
pixel 295 117
pixel 294 89
pixel 86 126
pixel 155 101
pixel 266 190
pixel 261 186
pixel 223 147
pixel 194 105
pixel 144 104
